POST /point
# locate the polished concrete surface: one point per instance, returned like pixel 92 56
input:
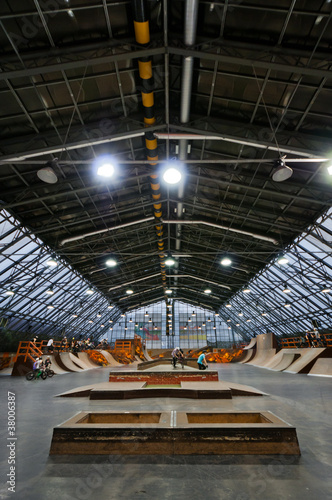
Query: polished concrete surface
pixel 300 400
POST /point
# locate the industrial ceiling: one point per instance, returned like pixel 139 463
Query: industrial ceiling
pixel 225 88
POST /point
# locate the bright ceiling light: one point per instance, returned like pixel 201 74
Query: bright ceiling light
pixel 129 291
pixel 50 291
pixel 264 314
pixel 105 166
pixel 228 305
pixel 326 289
pixel 169 261
pixel 329 169
pixel 168 292
pixel 240 314
pixel 47 175
pixel 225 261
pixel 283 260
pixel 282 171
pixel 98 315
pixel 228 321
pixel 74 316
pixel 50 307
pixel 207 291
pixel 287 304
pixel 237 324
pixel 248 320
pixel 286 289
pixel 51 262
pixel 90 321
pixel 172 175
pixel 10 292
pixel 111 263
pixel 246 290
pixel 89 291
pixel 110 307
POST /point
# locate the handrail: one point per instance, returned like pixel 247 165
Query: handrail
pixel 291 342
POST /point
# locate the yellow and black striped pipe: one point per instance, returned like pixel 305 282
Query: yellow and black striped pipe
pixel 142 36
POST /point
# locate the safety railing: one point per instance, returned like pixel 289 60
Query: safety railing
pixel 291 342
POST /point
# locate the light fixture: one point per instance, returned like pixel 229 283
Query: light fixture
pixel 286 289
pixel 199 328
pixel 74 316
pixel 123 315
pixel 110 321
pixel 111 263
pixel 225 261
pixel 237 324
pixel 248 320
pixel 130 321
pixel 104 166
pixel 326 289
pixel 47 173
pixel 207 291
pixel 150 320
pixel 214 327
pixel 98 315
pixel 229 328
pixel 129 291
pixel 283 260
pixel 146 314
pixel 90 321
pixel 189 320
pixel 102 326
pixel 264 314
pixel 70 13
pixel 50 306
pixel 329 169
pixel 203 324
pixel 172 173
pixel 282 172
pixel 10 292
pixel 193 314
pixel 287 304
pixel 246 290
pixel 241 314
pixel 216 315
pixel 141 328
pixel 168 291
pixel 50 291
pixel 89 291
pixel 51 262
pixel 228 305
pixel 110 307
pixel 111 328
pixel 126 328
pixel 228 321
pixel 169 261
pixel 136 325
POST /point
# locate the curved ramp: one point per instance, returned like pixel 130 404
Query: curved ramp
pixel 262 357
pixel 54 366
pixel 252 344
pixel 322 368
pixel 285 361
pixel 77 361
pixel 249 355
pixel 307 359
pixel 84 357
pixel 109 358
pixel 67 363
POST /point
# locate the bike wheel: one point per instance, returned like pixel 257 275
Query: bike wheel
pixel 30 376
pixel 43 375
pixel 50 373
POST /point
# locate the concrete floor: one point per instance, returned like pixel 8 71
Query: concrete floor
pixel 300 400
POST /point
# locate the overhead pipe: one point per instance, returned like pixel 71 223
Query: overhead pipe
pixel 226 228
pixel 199 279
pixel 142 36
pixel 190 25
pixel 100 231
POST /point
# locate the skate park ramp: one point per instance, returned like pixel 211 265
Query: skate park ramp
pixel 64 361
pixel 265 350
pixel 54 366
pixel 282 360
pixel 79 362
pixel 251 345
pixel 84 357
pixel 322 368
pixel 308 359
pixel 109 358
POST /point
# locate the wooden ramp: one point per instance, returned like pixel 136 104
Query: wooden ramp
pixel 308 359
pixel 322 368
pixel 109 358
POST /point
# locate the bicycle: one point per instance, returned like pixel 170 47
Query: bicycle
pixel 34 376
pixel 49 372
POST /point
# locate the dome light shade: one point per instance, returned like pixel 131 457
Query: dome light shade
pixel 283 260
pixel 169 292
pixel 246 290
pixel 129 291
pixel 47 175
pixel 207 291
pixel 169 261
pixel 51 262
pixel 89 291
pixel 282 171
pixel 225 261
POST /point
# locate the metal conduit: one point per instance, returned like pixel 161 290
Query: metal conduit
pixel 191 13
pixel 142 36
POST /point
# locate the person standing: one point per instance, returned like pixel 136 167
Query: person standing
pixel 202 364
pixel 50 346
pixel 175 356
